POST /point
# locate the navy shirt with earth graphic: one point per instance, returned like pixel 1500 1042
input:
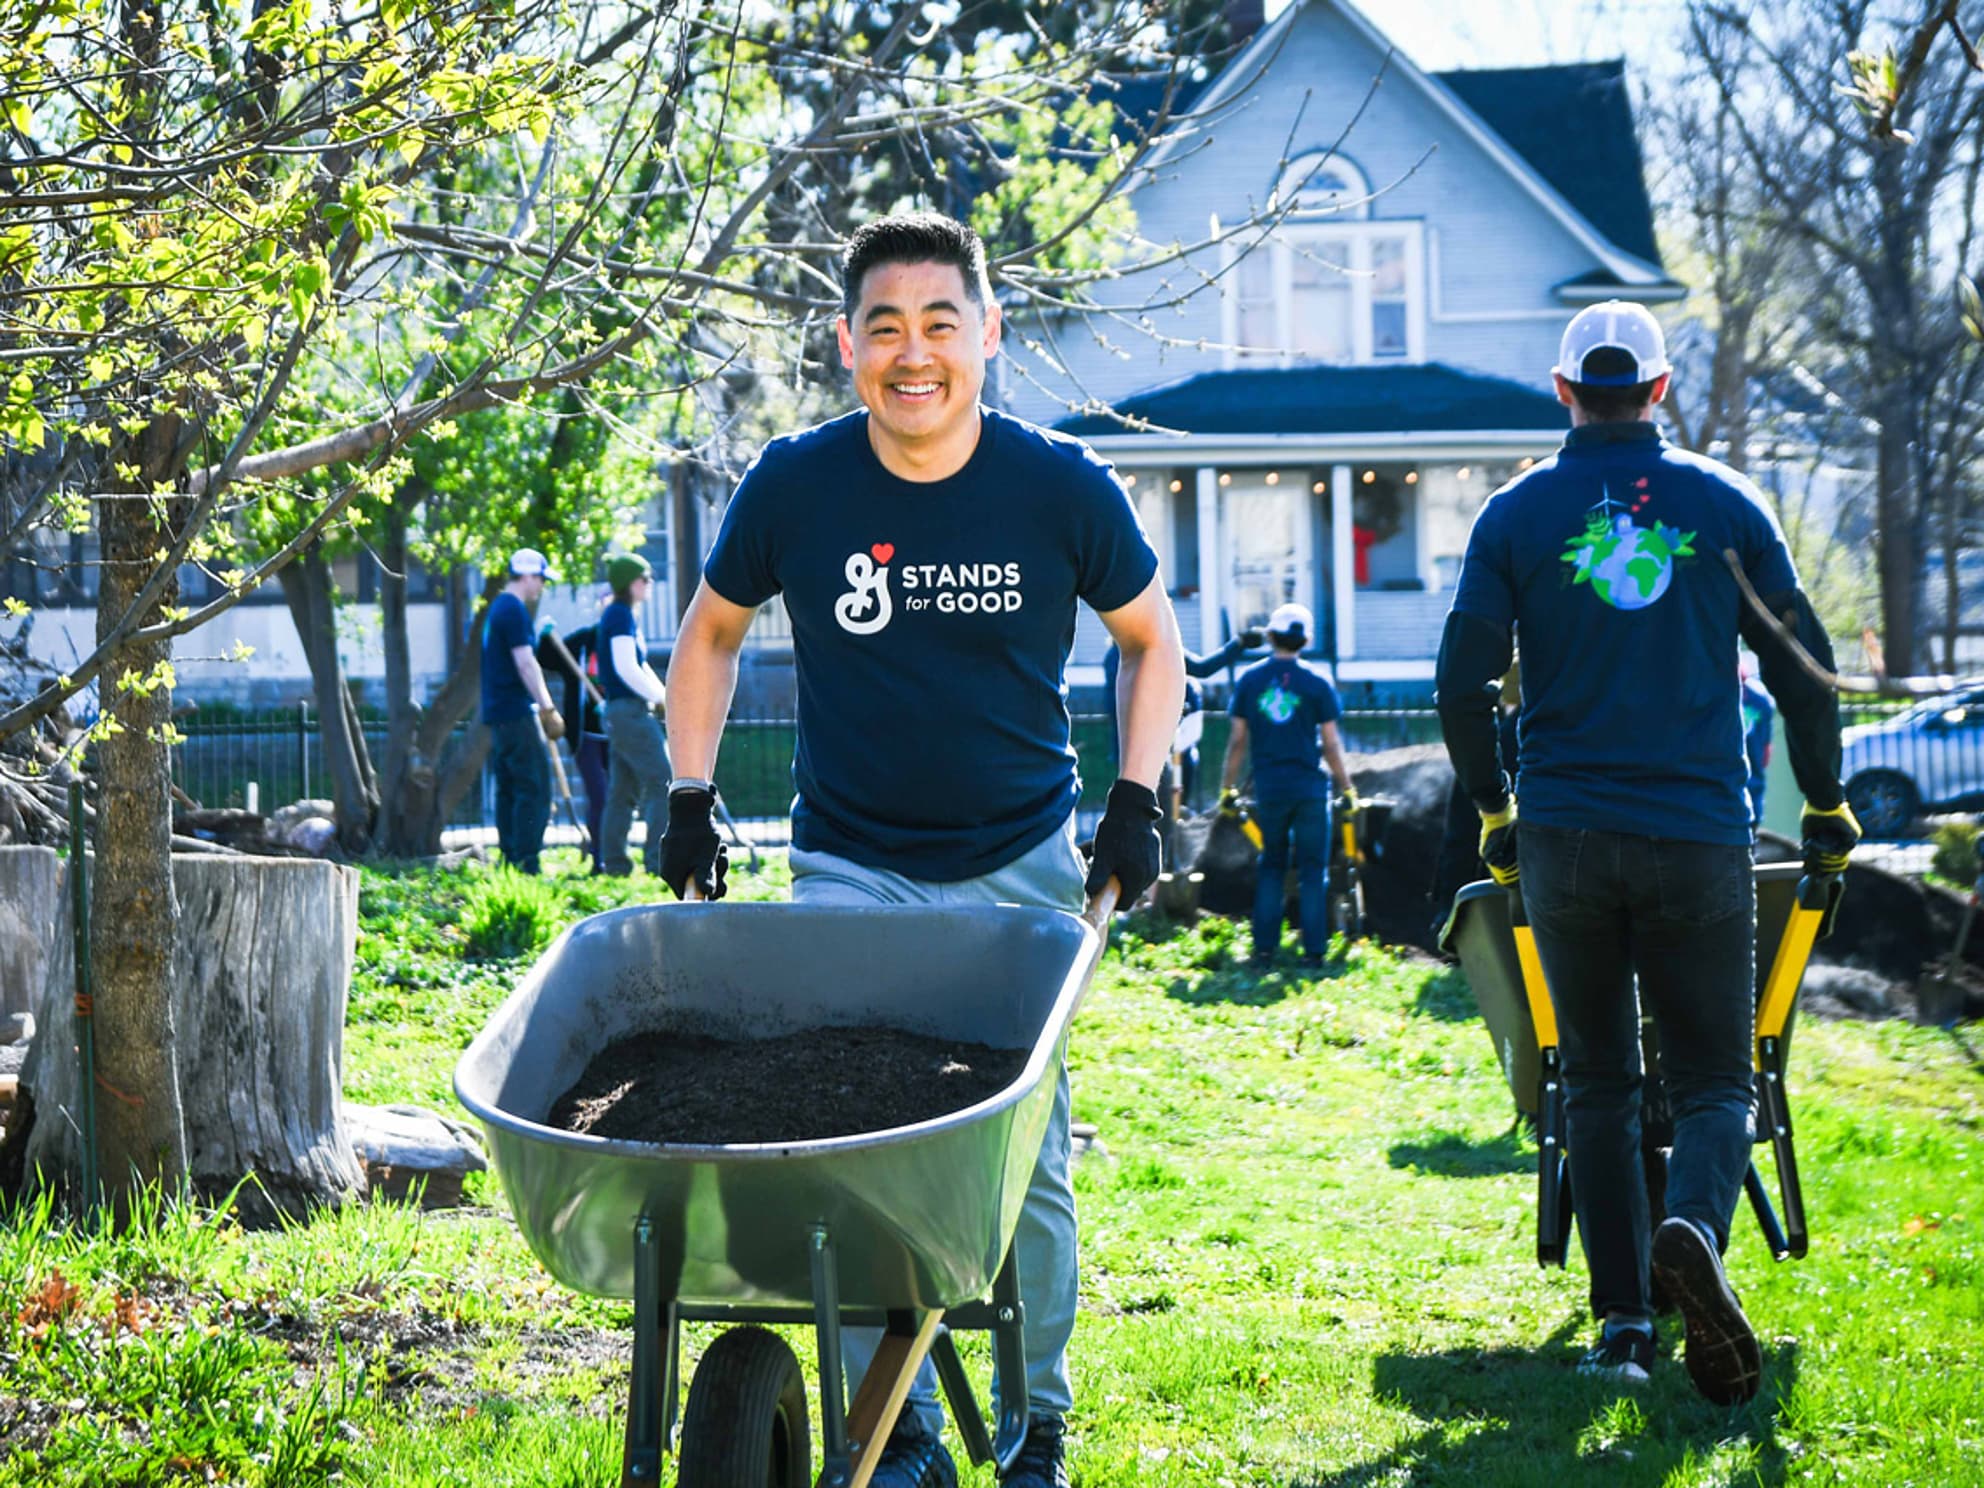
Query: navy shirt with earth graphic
pixel 931 625
pixel 1283 701
pixel 1608 561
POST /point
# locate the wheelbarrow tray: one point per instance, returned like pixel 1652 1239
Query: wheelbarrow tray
pixel 921 1215
pixel 1478 933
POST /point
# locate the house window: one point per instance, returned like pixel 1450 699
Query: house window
pixel 1336 294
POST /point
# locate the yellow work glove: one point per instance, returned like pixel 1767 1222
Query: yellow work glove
pixel 1498 843
pixel 1828 837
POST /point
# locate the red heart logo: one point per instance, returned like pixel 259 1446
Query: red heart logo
pixel 883 552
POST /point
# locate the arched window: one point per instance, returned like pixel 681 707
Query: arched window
pixel 1322 183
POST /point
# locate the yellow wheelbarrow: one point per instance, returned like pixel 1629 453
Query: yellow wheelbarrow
pixel 1489 933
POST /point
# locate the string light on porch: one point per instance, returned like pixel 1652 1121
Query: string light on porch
pixel 1177 485
pixel 1370 477
pixel 1274 477
pixel 1464 472
pixel 1226 477
pixel 1412 477
pixel 1317 488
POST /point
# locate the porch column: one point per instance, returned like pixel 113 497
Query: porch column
pixel 1343 563
pixel 1210 565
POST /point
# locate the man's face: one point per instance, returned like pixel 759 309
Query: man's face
pixel 917 346
pixel 530 588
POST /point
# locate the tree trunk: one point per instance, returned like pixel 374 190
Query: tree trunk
pixel 402 713
pixel 417 796
pixel 307 585
pixel 134 929
pixel 257 991
pixel 1896 513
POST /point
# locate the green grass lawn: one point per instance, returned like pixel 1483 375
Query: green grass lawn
pixel 1306 1262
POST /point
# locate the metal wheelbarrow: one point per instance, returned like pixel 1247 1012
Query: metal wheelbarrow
pixel 1488 931
pixel 908 1229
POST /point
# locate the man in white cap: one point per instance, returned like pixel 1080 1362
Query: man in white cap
pixel 517 707
pixel 1280 708
pixel 1616 565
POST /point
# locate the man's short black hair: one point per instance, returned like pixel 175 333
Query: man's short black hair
pixel 911 238
pixel 1611 404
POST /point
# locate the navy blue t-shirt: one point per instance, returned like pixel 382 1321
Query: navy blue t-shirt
pixel 1607 559
pixel 931 625
pixel 617 619
pixel 507 624
pixel 1283 701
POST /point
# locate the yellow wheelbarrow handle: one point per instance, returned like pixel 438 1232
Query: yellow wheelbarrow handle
pixel 1818 897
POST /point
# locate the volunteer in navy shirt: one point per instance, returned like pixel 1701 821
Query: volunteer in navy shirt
pixel 1617 565
pixel 633 698
pixel 1282 708
pixel 932 555
pixel 517 707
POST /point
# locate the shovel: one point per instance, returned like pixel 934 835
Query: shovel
pixel 1942 992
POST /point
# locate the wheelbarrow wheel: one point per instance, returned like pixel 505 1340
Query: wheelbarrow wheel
pixel 745 1425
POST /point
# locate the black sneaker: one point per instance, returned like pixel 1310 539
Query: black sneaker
pixel 1042 1460
pixel 914 1458
pixel 1722 1355
pixel 1622 1354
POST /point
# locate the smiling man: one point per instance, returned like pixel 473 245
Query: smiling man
pixel 932 552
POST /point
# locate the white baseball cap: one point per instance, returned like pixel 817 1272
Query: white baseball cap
pixel 526 562
pixel 1291 622
pixel 1615 326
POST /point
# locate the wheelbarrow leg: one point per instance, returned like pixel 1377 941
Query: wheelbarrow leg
pixel 833 1370
pixel 651 1400
pixel 1776 1112
pixel 1553 1182
pixel 1009 1361
pixel 965 1414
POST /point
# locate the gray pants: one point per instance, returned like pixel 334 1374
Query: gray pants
pixel 637 770
pixel 1048 877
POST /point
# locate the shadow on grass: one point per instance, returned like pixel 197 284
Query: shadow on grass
pixel 1517 1417
pixel 1237 983
pixel 1457 1155
pixel 1961 1037
pixel 1447 997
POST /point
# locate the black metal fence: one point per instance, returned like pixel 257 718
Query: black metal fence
pixel 280 754
pixel 1902 762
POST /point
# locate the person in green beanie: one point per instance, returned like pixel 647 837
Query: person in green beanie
pixel 636 744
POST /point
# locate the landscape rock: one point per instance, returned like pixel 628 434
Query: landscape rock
pixel 401 1147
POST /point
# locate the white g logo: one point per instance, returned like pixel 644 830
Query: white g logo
pixel 870 590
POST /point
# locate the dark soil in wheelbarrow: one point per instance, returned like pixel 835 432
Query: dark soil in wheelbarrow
pixel 826 1082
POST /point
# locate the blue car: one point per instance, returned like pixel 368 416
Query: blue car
pixel 1927 758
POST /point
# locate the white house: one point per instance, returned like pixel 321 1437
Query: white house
pixel 1324 423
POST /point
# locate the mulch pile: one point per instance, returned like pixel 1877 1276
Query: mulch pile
pixel 825 1082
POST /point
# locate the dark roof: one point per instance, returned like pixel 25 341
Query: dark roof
pixel 1428 398
pixel 1574 125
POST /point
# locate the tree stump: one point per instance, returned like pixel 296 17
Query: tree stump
pixel 36 948
pixel 259 991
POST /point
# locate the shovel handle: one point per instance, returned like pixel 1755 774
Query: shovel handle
pixel 1103 905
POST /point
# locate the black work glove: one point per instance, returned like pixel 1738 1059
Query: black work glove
pixel 690 849
pixel 1828 838
pixel 1126 842
pixel 1252 639
pixel 1498 843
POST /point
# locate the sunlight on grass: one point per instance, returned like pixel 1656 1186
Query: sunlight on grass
pixel 1307 1263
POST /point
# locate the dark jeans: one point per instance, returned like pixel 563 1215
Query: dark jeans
pixel 523 790
pixel 593 764
pixel 1682 915
pixel 1308 823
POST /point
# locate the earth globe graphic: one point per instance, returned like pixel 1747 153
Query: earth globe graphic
pixel 1630 567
